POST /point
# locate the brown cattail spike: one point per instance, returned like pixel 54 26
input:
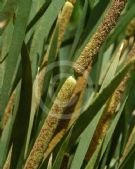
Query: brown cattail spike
pixel 110 110
pixel 50 124
pixel 92 48
pixel 73 111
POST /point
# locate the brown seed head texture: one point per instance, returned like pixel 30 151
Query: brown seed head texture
pixel 63 20
pixel 109 111
pixel 74 110
pixel 99 37
pixel 104 121
pixel 50 124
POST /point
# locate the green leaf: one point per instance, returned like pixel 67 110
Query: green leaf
pixel 112 67
pixel 48 73
pixel 44 26
pixel 7 12
pixel 7 131
pixel 84 143
pixel 106 141
pixel 5 43
pixel 60 155
pixel 100 100
pixel 22 118
pixel 120 28
pixel 38 15
pixel 129 160
pixel 14 51
pixel 79 29
pixel 5 139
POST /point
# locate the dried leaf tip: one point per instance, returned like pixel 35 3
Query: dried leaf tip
pixel 50 124
pixel 92 48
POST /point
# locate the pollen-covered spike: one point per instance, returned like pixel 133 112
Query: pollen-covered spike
pixel 92 48
pixel 50 124
pixel 63 20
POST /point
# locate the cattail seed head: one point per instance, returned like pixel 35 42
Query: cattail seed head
pixel 109 110
pixel 50 124
pixel 63 20
pixel 92 48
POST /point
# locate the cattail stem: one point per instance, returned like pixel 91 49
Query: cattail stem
pixel 50 124
pixel 92 48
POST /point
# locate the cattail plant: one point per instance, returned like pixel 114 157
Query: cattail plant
pixel 78 58
pixel 63 20
pixel 92 48
pixel 109 112
pixel 50 124
pixel 73 111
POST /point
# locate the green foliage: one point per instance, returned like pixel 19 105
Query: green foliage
pixel 30 33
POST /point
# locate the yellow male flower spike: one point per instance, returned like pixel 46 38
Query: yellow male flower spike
pixel 92 48
pixel 50 124
pixel 63 20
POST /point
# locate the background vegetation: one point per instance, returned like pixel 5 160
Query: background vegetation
pixel 48 122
